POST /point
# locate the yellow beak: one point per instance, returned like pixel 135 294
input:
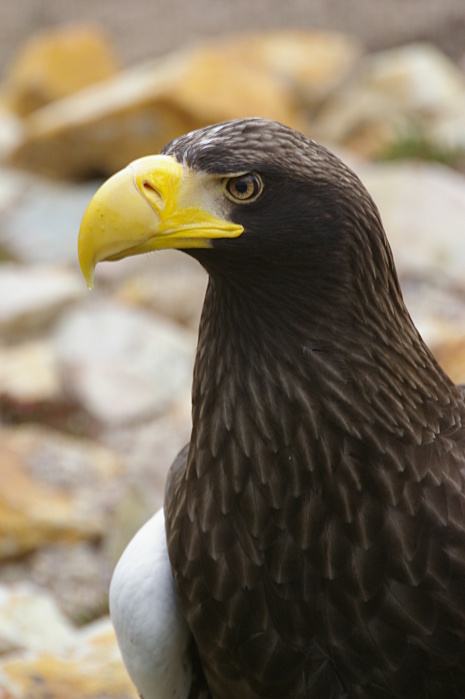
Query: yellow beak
pixel 150 205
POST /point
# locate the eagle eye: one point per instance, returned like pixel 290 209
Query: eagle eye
pixel 243 188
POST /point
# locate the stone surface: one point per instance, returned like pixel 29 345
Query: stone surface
pixel 77 574
pixel 438 311
pixel 392 94
pixel 39 219
pixel 31 389
pixel 28 373
pixel 449 131
pixel 169 283
pixel 10 189
pixel 318 82
pixel 102 128
pixel 312 64
pixel 11 136
pixel 55 63
pixel 91 668
pixel 315 81
pixel 116 360
pixel 418 76
pixel 423 211
pixel 451 356
pixel 31 298
pixel 55 488
pixel 31 620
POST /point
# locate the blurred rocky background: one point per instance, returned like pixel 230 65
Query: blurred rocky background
pixel 94 388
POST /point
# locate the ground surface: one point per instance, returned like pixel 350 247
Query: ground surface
pixel 144 28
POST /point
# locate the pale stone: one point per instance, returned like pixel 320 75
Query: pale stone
pixel 31 620
pixel 31 298
pixel 448 132
pixel 28 372
pixel 55 63
pixel 41 218
pixel 90 669
pixel 363 122
pixel 12 185
pixel 52 489
pixel 115 361
pixel 31 388
pixel 172 284
pixel 150 446
pixel 11 134
pixel 437 309
pixel 77 574
pixel 392 94
pixel 418 76
pixel 62 460
pixel 423 211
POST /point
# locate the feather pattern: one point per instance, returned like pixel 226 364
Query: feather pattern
pixel 317 528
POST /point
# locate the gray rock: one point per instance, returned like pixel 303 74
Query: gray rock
pixel 31 298
pixel 423 210
pixel 43 224
pixel 123 364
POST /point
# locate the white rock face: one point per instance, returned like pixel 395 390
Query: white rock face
pixel 90 667
pixel 31 620
pixel 151 632
pixel 423 211
pixel 116 361
pixel 33 297
pixel 41 218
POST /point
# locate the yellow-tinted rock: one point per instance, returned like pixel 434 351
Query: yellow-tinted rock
pixel 31 513
pixel 451 356
pixel 90 669
pixel 102 128
pixel 28 373
pixel 56 63
pixel 51 489
pixel 311 63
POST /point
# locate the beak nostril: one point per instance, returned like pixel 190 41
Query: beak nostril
pixel 152 194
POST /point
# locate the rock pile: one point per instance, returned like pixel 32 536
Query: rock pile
pixel 94 388
pixel 73 115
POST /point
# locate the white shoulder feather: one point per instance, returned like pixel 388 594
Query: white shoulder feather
pixel 152 634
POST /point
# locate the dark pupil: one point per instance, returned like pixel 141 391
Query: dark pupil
pixel 242 186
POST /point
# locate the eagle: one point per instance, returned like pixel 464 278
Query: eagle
pixel 312 539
